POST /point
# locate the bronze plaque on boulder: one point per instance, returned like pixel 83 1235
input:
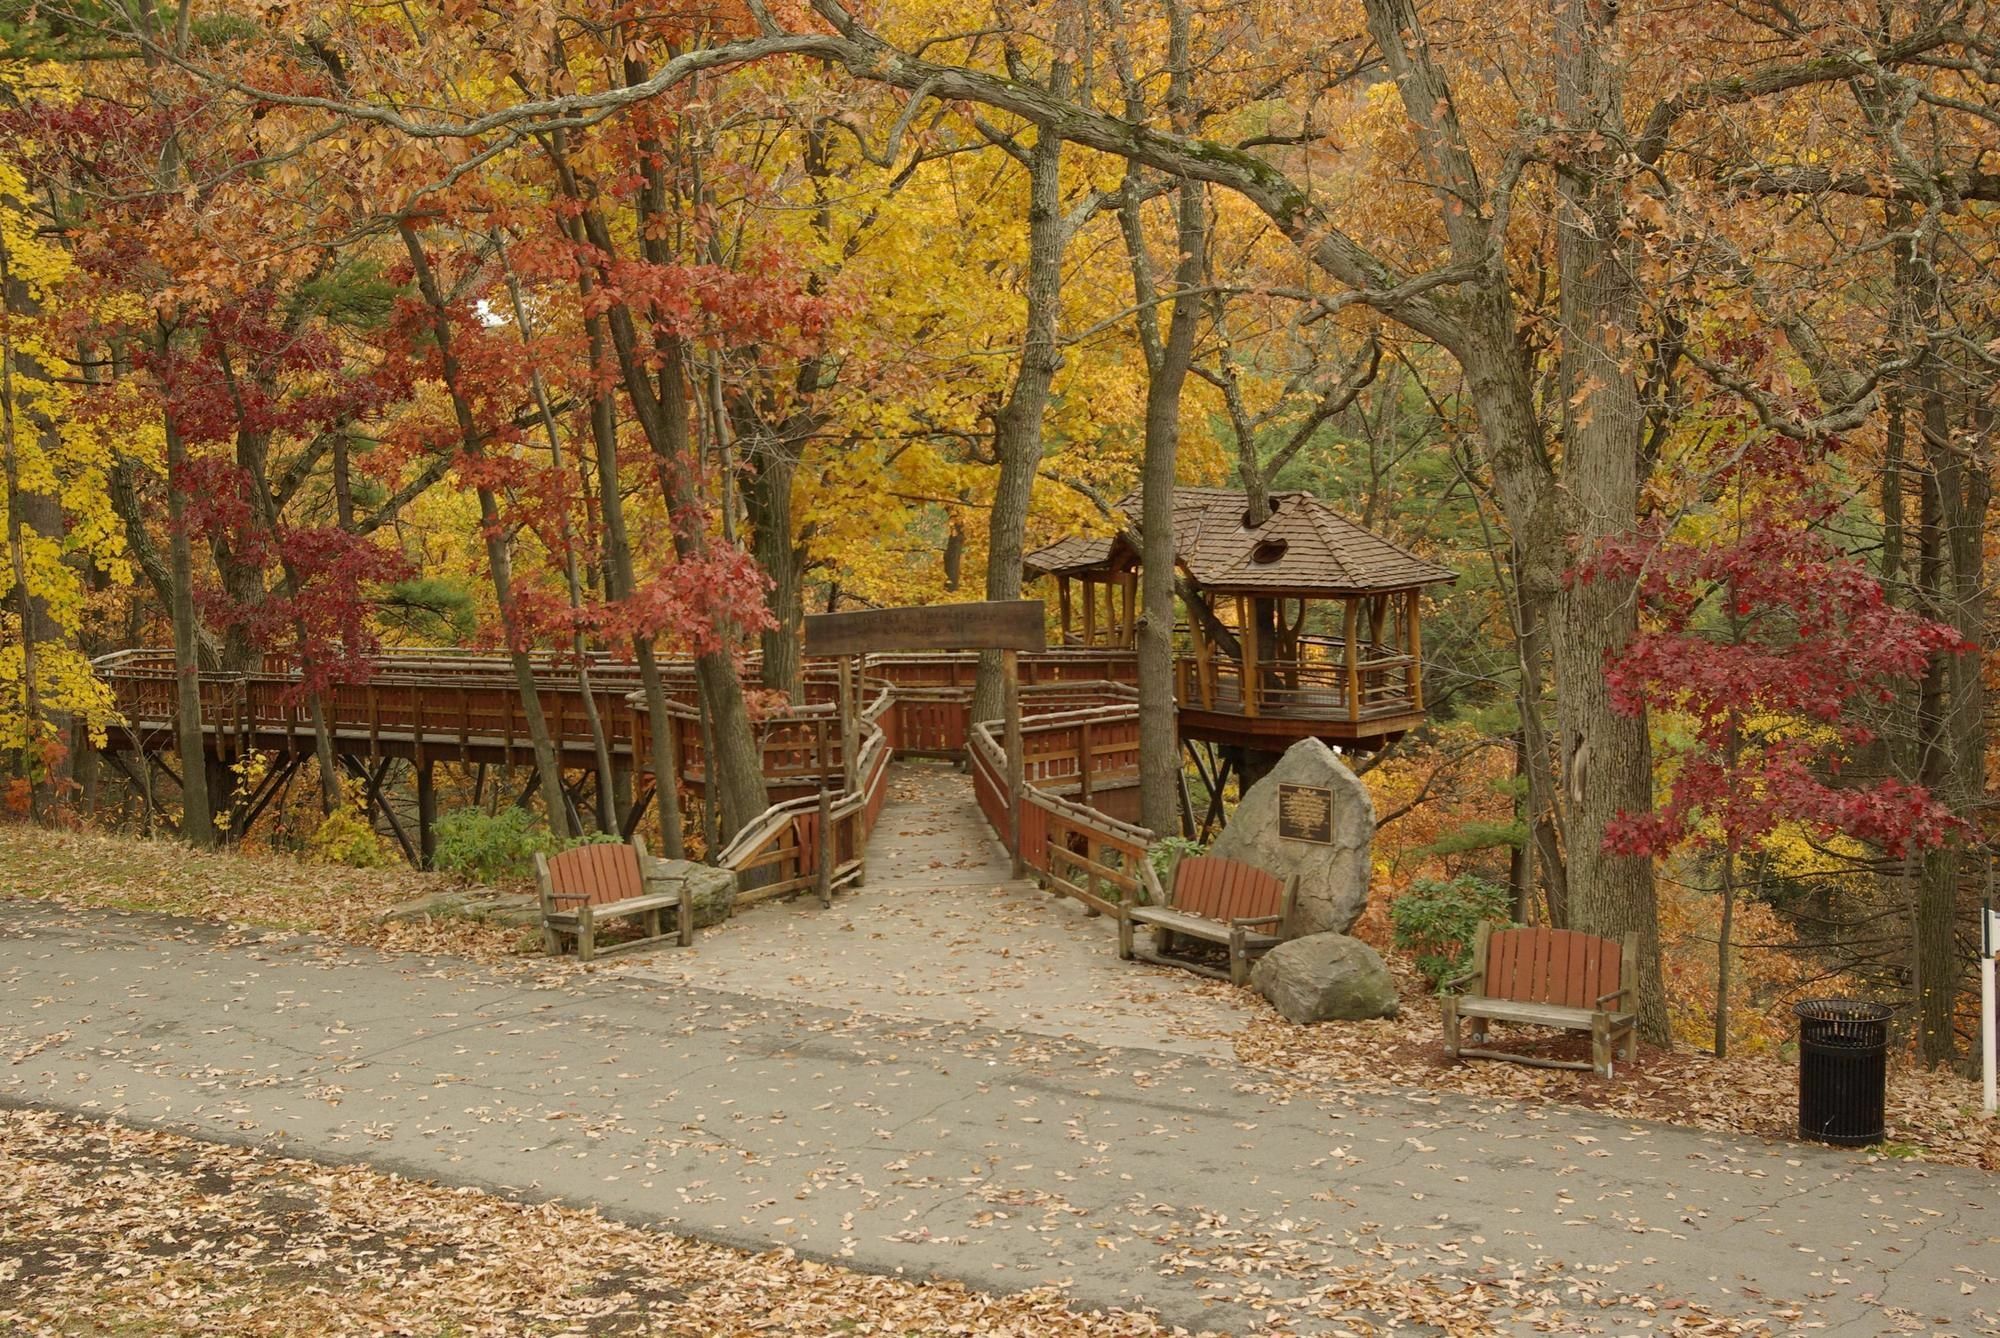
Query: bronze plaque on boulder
pixel 1305 813
pixel 1007 624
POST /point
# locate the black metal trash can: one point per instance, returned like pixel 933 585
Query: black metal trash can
pixel 1843 1070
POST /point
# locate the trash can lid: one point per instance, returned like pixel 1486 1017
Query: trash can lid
pixel 1842 1010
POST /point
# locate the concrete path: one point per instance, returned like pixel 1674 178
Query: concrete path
pixel 1213 1193
pixel 941 932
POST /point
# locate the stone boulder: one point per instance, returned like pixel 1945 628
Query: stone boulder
pixel 1325 978
pixel 1333 876
pixel 713 890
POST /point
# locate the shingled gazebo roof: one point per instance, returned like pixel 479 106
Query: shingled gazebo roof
pixel 1304 547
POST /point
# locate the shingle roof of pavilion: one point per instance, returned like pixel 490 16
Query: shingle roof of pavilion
pixel 1303 547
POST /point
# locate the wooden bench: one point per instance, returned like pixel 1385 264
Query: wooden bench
pixel 586 885
pixel 1547 978
pixel 1216 901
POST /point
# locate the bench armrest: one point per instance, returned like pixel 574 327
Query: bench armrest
pixel 1245 922
pixel 1465 979
pixel 1620 992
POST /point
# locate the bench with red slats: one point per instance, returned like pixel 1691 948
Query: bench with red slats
pixel 1549 978
pixel 1216 901
pixel 588 884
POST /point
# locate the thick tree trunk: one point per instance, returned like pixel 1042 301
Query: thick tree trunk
pixel 1952 722
pixel 1608 756
pixel 767 497
pixel 1017 428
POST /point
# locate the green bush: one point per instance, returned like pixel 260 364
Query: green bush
pixel 345 837
pixel 492 847
pixel 1437 921
pixel 1169 851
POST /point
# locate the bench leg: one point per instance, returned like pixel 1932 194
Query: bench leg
pixel 685 912
pixel 586 935
pixel 1451 1026
pixel 1239 959
pixel 1125 937
pixel 551 942
pixel 1600 1045
pixel 1631 1055
pixel 652 924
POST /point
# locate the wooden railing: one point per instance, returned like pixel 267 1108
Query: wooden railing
pixel 1318 683
pixel 1077 850
pixel 786 849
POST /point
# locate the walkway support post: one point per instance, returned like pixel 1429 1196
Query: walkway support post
pixel 426 812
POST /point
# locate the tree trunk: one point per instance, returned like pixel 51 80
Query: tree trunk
pixel 1609 763
pixel 734 761
pixel 45 733
pixel 1159 714
pixel 608 815
pixel 767 496
pixel 197 821
pixel 1017 428
pixel 547 770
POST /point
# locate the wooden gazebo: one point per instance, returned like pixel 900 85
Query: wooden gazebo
pixel 1097 589
pixel 1298 623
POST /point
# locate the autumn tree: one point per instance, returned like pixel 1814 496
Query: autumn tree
pixel 1768 642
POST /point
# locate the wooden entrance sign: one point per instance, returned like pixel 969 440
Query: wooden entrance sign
pixel 1001 624
pixel 1009 626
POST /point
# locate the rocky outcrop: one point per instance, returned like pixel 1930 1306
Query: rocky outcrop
pixel 1332 877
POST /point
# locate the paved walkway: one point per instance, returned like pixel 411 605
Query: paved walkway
pixel 998 1154
pixel 941 932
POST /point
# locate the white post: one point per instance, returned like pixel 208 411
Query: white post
pixel 1988 1060
pixel 1989 950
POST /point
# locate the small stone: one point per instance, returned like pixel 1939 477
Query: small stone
pixel 1333 879
pixel 1325 978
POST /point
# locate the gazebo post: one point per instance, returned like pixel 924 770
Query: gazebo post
pixel 1204 671
pixel 1062 601
pixel 1089 611
pixel 1350 627
pixel 1413 634
pixel 1131 637
pixel 1246 623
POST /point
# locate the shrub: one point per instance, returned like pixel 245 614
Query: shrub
pixel 1169 851
pixel 492 847
pixel 1437 921
pixel 344 836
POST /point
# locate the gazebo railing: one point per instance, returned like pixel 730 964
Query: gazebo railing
pixel 1318 684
